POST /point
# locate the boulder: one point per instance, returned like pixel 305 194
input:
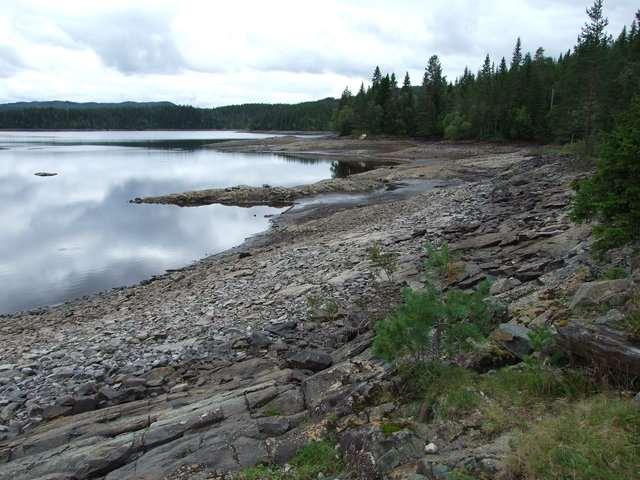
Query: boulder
pixel 314 360
pixel 610 292
pixel 515 338
pixel 259 340
pixel 274 426
pixel 504 285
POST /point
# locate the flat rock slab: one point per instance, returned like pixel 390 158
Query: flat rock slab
pixel 612 292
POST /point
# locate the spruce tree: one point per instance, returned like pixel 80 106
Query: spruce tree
pixel 516 59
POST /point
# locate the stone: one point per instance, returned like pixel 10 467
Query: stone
pixel 636 400
pixel 133 382
pixel 610 319
pixel 63 372
pixel 287 403
pixel 84 404
pixel 259 340
pixel 274 426
pixel 181 387
pixel 296 290
pixel 8 411
pixel 110 394
pixel 515 338
pixel 314 360
pixel 431 448
pixel 504 285
pixel 605 292
pixel 433 470
pixel 54 411
pixel 478 241
pixel 281 328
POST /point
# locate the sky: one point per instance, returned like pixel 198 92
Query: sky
pixel 212 53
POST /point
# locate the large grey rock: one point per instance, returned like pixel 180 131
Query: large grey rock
pixel 274 426
pixel 605 292
pixel 504 285
pixel 514 338
pixel 314 360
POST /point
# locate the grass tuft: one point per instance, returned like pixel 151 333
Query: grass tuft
pixel 595 439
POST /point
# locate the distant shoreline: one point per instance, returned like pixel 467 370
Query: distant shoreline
pixel 275 132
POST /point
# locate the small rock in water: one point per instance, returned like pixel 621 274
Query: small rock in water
pixel 45 174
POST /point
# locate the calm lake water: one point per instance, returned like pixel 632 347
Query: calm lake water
pixel 73 234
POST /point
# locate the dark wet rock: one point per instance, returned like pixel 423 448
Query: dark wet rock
pixel 281 328
pixel 84 404
pixel 55 411
pixel 110 394
pixel 274 426
pixel 314 360
pixel 259 340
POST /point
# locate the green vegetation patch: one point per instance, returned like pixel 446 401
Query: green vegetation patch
pixel 315 459
pixel 508 398
pixel 595 439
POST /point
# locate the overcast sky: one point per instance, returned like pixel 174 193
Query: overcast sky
pixel 211 53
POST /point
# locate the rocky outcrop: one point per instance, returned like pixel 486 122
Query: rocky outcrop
pixel 224 364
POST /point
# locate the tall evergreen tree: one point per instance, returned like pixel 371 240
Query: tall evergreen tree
pixel 516 59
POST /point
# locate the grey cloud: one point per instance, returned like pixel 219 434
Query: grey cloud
pixel 131 42
pixel 10 62
pixel 315 62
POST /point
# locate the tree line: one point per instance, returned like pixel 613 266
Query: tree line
pixel 528 97
pixel 164 115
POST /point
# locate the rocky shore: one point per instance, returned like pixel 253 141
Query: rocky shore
pixel 245 356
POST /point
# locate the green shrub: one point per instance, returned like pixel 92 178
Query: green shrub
pixel 631 326
pixel 389 428
pixel 314 459
pixel 614 273
pixel 437 265
pixel 507 398
pixel 381 261
pixel 407 331
pixel 429 323
pixel 595 439
pixel 323 309
pixel 540 338
pixel 262 472
pixel 612 196
pixel 457 127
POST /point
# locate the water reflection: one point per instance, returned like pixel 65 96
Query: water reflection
pixel 75 233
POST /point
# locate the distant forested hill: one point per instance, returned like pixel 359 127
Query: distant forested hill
pixel 157 115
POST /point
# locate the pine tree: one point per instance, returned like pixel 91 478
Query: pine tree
pixel 591 49
pixel 516 59
pixel 594 32
pixel 432 102
pixel 407 103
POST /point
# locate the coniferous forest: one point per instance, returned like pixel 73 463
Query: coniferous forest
pixel 165 115
pixel 576 96
pixel 526 97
